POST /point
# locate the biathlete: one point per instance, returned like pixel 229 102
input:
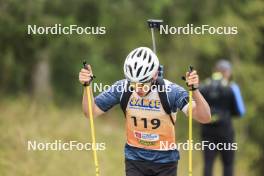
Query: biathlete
pixel 150 104
pixel 225 101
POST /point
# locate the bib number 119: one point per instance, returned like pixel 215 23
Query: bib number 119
pixel 155 123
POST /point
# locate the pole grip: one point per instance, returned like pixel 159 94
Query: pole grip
pixel 85 66
pixel 184 78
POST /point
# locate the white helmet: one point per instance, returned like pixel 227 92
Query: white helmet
pixel 141 65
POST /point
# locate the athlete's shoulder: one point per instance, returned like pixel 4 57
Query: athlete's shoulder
pixel 177 95
pixel 233 83
pixel 115 88
pixel 173 86
pixel 118 85
pixel 110 95
pixel 120 82
pixel 234 87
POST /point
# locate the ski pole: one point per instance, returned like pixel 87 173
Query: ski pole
pixel 190 126
pixel 153 23
pixel 190 133
pixel 89 102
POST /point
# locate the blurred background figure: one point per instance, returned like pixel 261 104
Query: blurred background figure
pixel 225 100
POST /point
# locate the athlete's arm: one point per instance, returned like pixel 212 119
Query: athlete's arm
pixel 201 109
pixel 96 110
pixel 85 76
pixel 238 103
pixel 106 99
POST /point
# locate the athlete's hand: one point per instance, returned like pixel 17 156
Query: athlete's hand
pixel 192 79
pixel 85 75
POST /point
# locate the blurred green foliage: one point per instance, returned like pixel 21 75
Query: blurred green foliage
pixel 125 22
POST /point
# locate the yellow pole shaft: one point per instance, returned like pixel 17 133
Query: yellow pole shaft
pixel 190 133
pixel 89 98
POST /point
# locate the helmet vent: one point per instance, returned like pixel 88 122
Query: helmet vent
pixel 133 54
pixel 139 53
pixel 146 70
pixel 152 66
pixel 135 66
pixel 145 55
pixel 139 70
pixel 130 70
pixel 149 59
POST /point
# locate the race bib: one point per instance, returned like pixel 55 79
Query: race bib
pixel 147 124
